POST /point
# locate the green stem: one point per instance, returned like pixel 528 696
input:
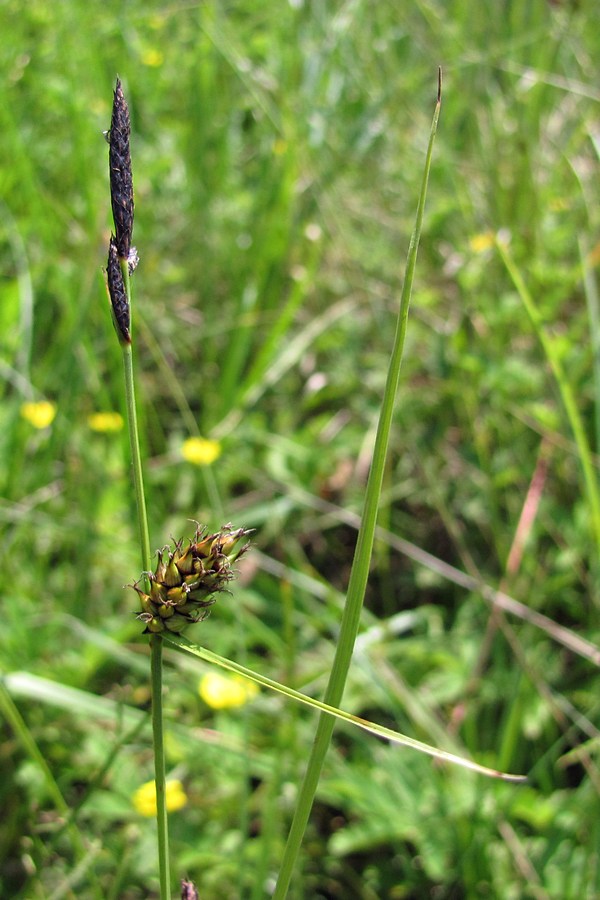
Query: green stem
pixel 84 854
pixel 362 555
pixel 136 458
pixel 566 391
pixel 156 644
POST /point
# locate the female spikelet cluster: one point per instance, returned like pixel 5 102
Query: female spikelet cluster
pixel 187 579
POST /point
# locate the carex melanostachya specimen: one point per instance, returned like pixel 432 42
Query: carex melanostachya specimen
pixel 121 178
pixel 122 258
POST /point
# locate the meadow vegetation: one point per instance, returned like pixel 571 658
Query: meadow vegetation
pixel 277 150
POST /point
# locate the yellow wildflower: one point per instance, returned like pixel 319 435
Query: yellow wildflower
pixel 144 799
pixel 226 691
pixel 40 415
pixel 479 243
pixel 105 421
pixel 153 57
pixel 200 451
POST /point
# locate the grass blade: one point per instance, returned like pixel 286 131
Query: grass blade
pixel 566 391
pixel 362 557
pixel 396 737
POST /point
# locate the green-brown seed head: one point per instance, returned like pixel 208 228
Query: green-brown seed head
pixel 186 580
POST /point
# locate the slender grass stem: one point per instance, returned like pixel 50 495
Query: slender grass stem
pixel 362 556
pixel 156 642
pixel 566 391
pixel 134 441
pixel 14 719
pixel 156 645
pixel 136 458
pixel 593 305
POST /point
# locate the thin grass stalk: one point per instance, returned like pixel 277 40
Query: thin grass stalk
pixel 136 458
pixel 566 392
pixel 593 305
pixel 85 855
pixel 14 718
pixel 156 643
pixel 362 557
pixel 162 825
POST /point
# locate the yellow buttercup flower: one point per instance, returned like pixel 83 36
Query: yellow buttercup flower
pixel 40 415
pixel 226 691
pixel 479 243
pixel 200 451
pixel 144 799
pixel 153 57
pixel 105 421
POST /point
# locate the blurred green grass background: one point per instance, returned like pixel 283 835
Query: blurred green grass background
pixel 277 152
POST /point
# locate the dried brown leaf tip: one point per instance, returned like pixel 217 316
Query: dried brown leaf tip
pixel 121 179
pixel 118 295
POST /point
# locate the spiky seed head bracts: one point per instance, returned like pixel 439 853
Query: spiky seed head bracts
pixel 186 580
pixel 119 302
pixel 121 179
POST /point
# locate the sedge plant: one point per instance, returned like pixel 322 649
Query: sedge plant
pixel 121 264
pixel 187 578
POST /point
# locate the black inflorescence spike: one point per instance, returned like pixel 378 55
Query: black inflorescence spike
pixel 188 890
pixel 121 179
pixel 118 294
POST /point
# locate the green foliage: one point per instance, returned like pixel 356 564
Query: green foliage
pixel 277 153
